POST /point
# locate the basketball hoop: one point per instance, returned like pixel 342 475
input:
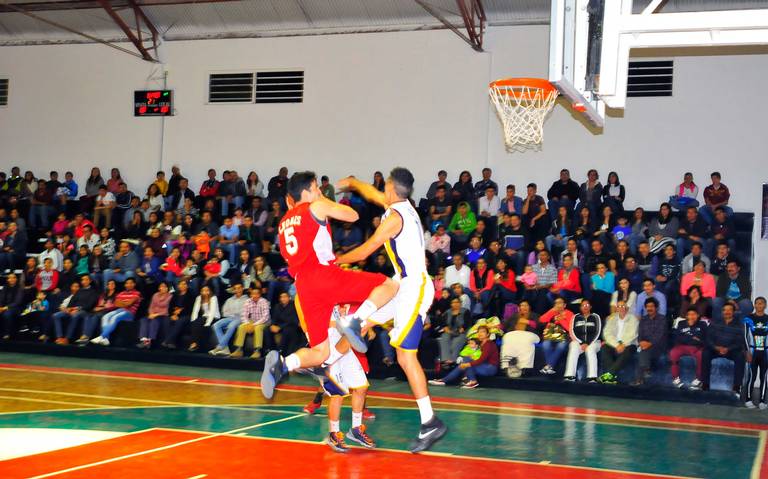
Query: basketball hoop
pixel 522 105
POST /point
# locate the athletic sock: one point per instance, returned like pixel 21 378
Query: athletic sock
pixel 365 310
pixel 292 362
pixel 425 409
pixel 357 419
pixel 333 426
pixel 318 398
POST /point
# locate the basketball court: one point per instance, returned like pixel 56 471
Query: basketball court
pixel 125 419
pixel 78 418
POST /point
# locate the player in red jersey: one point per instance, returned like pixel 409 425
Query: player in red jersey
pixel 305 242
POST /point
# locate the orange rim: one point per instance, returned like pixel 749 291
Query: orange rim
pixel 513 86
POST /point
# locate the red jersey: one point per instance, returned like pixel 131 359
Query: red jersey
pixel 305 241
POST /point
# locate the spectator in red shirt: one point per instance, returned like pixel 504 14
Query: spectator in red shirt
pixel 481 282
pixel 504 287
pixel 715 195
pixel 127 303
pixel 568 285
pixel 486 365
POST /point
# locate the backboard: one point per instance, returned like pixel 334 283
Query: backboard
pixel 591 41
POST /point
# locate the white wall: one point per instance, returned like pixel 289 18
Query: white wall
pixel 373 101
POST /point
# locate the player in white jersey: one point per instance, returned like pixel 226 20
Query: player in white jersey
pixel 402 235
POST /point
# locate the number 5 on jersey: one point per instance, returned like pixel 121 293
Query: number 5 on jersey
pixel 291 244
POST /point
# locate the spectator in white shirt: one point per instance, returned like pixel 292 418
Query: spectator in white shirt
pixel 89 239
pixel 53 253
pixel 104 204
pixel 458 272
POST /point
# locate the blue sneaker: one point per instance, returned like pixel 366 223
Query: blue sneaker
pixel 351 328
pixel 274 371
pixel 336 441
pixel 358 435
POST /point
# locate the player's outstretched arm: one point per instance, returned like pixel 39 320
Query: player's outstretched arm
pixel 325 208
pixel 368 192
pixel 386 230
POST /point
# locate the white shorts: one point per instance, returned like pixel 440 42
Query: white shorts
pixel 346 373
pixel 408 309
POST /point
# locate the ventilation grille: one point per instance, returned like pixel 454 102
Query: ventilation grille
pixel 256 87
pixel 280 87
pixel 650 78
pixel 3 91
pixel 230 88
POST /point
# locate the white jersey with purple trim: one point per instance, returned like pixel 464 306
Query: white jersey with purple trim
pixel 410 305
pixel 406 249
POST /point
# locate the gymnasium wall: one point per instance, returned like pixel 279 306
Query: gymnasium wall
pixel 373 101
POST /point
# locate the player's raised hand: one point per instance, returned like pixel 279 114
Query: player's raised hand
pixel 346 184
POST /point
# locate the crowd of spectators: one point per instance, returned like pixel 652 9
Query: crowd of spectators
pixel 574 273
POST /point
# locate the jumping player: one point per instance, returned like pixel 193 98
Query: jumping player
pixel 402 235
pixel 306 245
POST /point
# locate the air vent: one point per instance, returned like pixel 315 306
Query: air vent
pixel 650 78
pixel 230 88
pixel 256 87
pixel 280 87
pixel 3 91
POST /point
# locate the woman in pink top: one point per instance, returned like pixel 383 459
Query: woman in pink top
pixel 557 324
pixel 698 277
pixel 156 315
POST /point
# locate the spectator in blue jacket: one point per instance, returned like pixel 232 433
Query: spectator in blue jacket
pixel 123 266
pixel 726 339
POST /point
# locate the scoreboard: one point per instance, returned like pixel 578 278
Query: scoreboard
pixel 153 103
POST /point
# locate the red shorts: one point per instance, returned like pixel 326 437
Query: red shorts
pixel 321 288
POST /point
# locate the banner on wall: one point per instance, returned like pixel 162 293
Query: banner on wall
pixel 764 232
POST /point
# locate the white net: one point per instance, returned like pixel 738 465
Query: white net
pixel 522 110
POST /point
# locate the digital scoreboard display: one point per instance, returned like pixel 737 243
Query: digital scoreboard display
pixel 153 103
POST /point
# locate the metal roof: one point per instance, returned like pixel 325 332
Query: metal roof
pixel 196 19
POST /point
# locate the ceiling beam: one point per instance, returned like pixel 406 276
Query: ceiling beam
pixel 134 38
pixel 452 27
pixel 473 14
pixel 58 5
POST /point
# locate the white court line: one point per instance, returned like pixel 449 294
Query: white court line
pixel 123 398
pixel 757 464
pixel 163 448
pixel 201 476
pixel 49 401
pixel 568 415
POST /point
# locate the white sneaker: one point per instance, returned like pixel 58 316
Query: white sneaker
pixel 214 351
pixel 104 342
pixel 97 340
pixel 678 383
pixel 547 370
pixel 749 404
pixel 763 406
pixel 696 384
pixel 223 352
pixel 436 382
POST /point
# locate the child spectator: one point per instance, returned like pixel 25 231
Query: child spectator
pixel 486 365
